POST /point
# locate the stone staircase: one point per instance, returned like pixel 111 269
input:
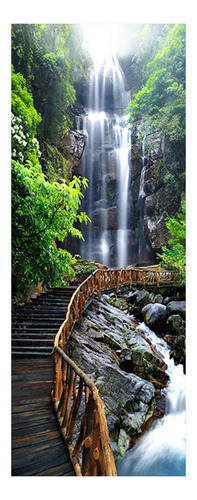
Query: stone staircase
pixel 35 324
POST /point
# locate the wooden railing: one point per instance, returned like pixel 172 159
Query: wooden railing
pixel 79 408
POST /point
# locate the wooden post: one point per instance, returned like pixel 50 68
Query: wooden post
pixel 118 281
pixel 70 388
pixel 99 284
pixel 156 279
pixel 81 436
pixel 80 306
pixel 87 448
pixel 130 279
pixel 74 411
pixel 63 401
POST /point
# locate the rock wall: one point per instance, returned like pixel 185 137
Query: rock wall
pixel 150 211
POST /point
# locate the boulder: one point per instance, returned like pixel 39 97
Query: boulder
pixel 131 296
pixel 139 299
pixel 175 324
pixel 176 307
pixel 142 298
pixel 155 317
pixel 158 299
pixel 166 300
pixel 146 308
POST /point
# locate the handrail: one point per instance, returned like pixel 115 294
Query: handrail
pixel 92 454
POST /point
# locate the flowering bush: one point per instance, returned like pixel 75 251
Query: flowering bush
pixel 24 122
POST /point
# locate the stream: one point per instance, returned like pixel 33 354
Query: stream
pixel 161 451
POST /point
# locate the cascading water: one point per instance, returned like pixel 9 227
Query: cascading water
pixel 141 205
pixel 106 164
pixel 161 451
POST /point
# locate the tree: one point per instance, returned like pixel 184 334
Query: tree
pixel 50 58
pixel 24 121
pixel 166 79
pixel 160 105
pixel 41 213
pixel 174 257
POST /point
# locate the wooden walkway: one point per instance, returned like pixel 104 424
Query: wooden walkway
pixel 38 448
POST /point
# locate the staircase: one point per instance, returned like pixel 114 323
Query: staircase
pixel 35 324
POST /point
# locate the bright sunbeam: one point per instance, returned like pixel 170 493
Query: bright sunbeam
pixel 100 41
pixel 103 40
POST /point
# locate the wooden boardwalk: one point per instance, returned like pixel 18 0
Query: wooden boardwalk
pixel 38 448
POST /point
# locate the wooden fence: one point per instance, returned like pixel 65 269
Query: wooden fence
pixel 79 408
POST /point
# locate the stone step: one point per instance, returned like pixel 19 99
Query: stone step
pixel 31 335
pixel 19 352
pixel 44 313
pixel 30 331
pixel 32 342
pixel 35 324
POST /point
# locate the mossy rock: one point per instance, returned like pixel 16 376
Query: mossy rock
pixel 84 268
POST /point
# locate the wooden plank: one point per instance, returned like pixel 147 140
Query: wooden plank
pixel 19 404
pixel 38 438
pixel 61 470
pixel 38 459
pixel 35 430
pixel 37 445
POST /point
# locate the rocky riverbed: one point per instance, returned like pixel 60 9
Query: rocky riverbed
pixel 164 314
pixel 109 347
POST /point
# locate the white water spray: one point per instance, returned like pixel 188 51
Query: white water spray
pixel 161 451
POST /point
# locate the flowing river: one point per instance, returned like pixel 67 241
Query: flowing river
pixel 161 451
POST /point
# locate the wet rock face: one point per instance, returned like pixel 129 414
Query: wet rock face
pixel 99 347
pixel 148 156
pixel 156 231
pixel 74 144
pixel 155 317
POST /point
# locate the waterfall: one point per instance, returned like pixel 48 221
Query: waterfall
pixel 161 451
pixel 106 164
pixel 141 204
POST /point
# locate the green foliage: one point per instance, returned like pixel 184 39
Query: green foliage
pixel 145 46
pixel 174 257
pixel 159 106
pixel 50 58
pixel 24 121
pixel 42 212
pixel 84 268
pixel 162 99
pixel 56 165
